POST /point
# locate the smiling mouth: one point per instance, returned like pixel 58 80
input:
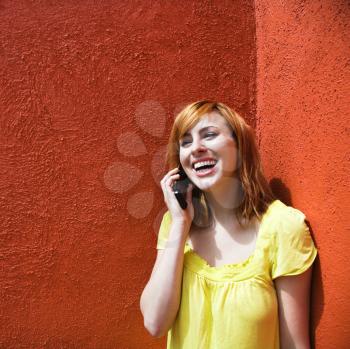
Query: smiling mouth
pixel 204 169
pixel 206 165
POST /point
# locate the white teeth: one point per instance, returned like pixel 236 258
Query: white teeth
pixel 202 163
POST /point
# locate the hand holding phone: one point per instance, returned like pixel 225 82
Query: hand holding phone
pixel 180 188
pixel 179 193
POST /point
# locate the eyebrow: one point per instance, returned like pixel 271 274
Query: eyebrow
pixel 201 130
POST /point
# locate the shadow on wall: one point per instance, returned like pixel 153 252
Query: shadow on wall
pixel 281 191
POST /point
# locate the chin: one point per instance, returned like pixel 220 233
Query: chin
pixel 205 184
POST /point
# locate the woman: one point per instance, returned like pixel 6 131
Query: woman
pixel 233 269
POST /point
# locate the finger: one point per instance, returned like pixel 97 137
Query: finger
pixel 173 177
pixel 171 172
pixel 172 180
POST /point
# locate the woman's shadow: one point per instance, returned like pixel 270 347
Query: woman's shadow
pixel 316 298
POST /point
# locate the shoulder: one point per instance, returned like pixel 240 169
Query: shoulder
pixel 285 218
pixel 167 217
pixel 293 249
pixel 166 222
pixel 164 230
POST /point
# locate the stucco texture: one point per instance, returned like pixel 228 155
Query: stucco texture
pixel 88 92
pixel 303 96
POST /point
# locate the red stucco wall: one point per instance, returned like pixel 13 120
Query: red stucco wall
pixel 87 95
pixel 88 91
pixel 302 121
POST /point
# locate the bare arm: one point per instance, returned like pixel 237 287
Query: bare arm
pixel 293 294
pixel 160 299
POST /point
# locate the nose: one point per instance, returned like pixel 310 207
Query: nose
pixel 197 146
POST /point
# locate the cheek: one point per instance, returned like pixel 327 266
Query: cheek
pixel 223 145
pixel 182 157
pixel 231 156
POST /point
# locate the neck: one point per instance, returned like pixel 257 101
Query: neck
pixel 224 200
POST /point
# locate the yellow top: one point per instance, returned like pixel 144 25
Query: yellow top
pixel 235 306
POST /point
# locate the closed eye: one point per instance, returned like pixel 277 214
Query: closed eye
pixel 207 135
pixel 183 143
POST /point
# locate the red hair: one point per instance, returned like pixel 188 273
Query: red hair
pixel 257 194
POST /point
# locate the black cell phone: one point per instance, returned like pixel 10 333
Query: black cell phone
pixel 180 188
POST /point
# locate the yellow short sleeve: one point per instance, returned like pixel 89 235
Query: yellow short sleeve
pixel 164 231
pixel 294 250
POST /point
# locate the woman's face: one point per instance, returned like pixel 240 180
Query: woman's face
pixel 208 152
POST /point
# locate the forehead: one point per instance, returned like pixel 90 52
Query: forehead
pixel 209 119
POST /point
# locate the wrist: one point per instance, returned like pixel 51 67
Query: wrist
pixel 182 224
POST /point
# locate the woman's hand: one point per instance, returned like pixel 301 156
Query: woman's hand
pixel 178 214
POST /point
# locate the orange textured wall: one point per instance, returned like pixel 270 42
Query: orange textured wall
pixel 88 91
pixel 87 95
pixel 302 121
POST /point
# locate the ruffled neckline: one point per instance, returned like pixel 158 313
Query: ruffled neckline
pixel 202 263
pixel 206 265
